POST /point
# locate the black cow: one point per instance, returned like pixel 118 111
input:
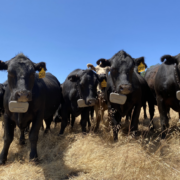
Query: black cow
pixel 124 80
pixel 166 85
pixel 80 84
pixel 24 85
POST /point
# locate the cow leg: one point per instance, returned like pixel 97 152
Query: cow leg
pixel 135 118
pixel 168 113
pixel 26 129
pixel 144 108
pixel 163 116
pixel 48 124
pixel 115 122
pixel 72 120
pixel 22 137
pixel 42 127
pixel 84 118
pixel 98 118
pixel 8 138
pixel 89 123
pixel 64 121
pixel 33 136
pixel 92 113
pixel 128 116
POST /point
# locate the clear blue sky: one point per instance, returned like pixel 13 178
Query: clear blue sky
pixel 68 34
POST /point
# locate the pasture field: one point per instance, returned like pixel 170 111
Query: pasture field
pixel 95 156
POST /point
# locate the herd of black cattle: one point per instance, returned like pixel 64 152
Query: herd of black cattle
pixel 114 84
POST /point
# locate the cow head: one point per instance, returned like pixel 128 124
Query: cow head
pixel 21 76
pixel 101 71
pixel 122 68
pixel 87 82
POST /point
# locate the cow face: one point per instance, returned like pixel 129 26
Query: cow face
pixel 87 82
pixel 121 73
pixel 21 76
pixel 101 71
pixel 122 68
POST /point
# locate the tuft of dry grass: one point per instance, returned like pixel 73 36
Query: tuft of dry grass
pixel 95 156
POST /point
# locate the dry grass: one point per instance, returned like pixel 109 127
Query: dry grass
pixel 96 156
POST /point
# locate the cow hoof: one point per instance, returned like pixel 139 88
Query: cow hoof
pixel 2 162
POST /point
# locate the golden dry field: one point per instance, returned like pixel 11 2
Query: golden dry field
pixel 95 156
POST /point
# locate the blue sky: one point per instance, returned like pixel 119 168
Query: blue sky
pixel 68 34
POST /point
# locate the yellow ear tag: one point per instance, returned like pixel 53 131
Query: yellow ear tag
pixel 141 67
pixel 42 73
pixel 103 83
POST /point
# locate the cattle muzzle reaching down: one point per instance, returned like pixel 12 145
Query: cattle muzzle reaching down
pixel 125 89
pixel 23 96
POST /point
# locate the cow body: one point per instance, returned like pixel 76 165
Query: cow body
pixel 80 84
pixel 43 97
pixel 123 80
pixel 166 85
pixel 101 105
pixel 150 79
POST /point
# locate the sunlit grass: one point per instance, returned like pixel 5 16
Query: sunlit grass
pixel 96 156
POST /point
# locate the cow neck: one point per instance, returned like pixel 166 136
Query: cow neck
pixel 78 89
pixel 176 75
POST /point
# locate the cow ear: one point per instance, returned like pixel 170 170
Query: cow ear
pixel 140 60
pixel 73 78
pixel 39 66
pixel 103 62
pixel 3 65
pixel 140 65
pixel 91 66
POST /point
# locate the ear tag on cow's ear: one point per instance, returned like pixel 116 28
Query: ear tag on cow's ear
pixel 141 67
pixel 103 83
pixel 42 73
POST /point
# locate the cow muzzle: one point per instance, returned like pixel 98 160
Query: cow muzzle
pixel 91 102
pixel 23 96
pixel 125 89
